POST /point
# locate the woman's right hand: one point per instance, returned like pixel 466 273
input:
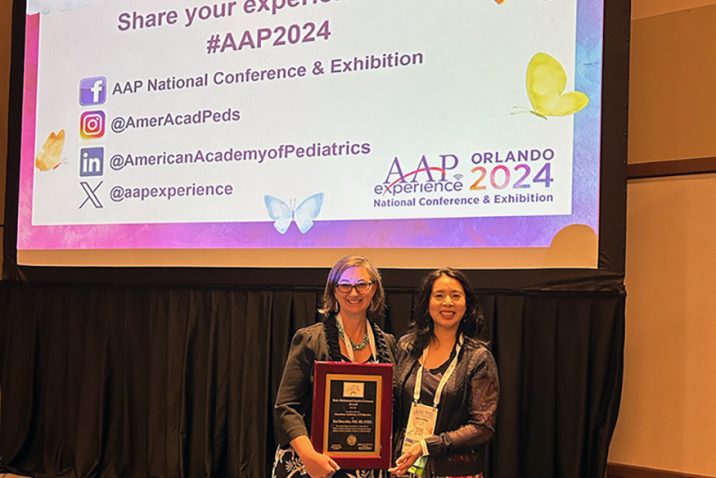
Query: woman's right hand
pixel 319 465
pixel 406 460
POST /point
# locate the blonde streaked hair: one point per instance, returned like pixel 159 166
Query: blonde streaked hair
pixel 329 304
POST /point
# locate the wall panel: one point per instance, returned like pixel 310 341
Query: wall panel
pixel 5 33
pixel 672 97
pixel 667 418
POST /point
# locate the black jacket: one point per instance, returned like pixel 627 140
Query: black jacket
pixel 467 411
pixel 292 411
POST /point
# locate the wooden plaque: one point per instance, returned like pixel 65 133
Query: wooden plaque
pixel 352 414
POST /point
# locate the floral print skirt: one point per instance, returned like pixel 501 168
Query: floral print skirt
pixel 287 464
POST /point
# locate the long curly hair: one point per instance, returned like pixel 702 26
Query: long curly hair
pixel 472 325
pixel 329 304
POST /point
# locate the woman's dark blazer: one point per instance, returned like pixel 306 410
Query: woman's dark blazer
pixel 467 412
pixel 292 411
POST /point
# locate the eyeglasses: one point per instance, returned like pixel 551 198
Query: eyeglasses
pixel 360 287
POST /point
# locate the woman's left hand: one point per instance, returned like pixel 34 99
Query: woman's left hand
pixel 406 460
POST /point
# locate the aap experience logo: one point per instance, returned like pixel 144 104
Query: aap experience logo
pixel 410 177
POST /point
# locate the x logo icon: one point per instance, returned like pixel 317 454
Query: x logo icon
pixel 90 192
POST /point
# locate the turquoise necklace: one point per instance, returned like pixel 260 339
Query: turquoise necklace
pixel 360 345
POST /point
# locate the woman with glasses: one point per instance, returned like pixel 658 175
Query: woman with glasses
pixel 446 386
pixel 352 299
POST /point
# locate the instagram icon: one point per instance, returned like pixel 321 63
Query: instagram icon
pixel 92 124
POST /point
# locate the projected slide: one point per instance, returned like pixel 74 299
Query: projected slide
pixel 309 123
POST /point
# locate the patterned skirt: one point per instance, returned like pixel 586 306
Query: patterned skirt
pixel 287 464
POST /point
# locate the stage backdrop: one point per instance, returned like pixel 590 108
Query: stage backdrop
pixel 137 381
pixel 121 372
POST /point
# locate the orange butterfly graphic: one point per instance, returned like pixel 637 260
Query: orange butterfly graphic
pixel 51 154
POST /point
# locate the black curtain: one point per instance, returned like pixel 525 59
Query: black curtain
pixel 148 381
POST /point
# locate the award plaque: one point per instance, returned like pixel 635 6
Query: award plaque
pixel 353 413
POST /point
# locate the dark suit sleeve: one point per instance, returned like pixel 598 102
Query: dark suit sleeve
pixel 294 393
pixel 480 426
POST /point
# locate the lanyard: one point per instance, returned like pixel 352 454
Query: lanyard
pixel 349 346
pixel 443 380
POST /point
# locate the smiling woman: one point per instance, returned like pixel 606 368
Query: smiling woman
pixel 352 298
pixel 446 383
pixel 447 305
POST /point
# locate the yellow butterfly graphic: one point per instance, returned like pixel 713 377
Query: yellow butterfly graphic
pixel 51 154
pixel 546 80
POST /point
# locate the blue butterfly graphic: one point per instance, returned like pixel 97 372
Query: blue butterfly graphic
pixel 282 214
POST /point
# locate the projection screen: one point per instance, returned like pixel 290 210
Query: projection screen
pixel 287 132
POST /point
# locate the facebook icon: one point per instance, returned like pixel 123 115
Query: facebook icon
pixel 93 90
pixel 92 161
